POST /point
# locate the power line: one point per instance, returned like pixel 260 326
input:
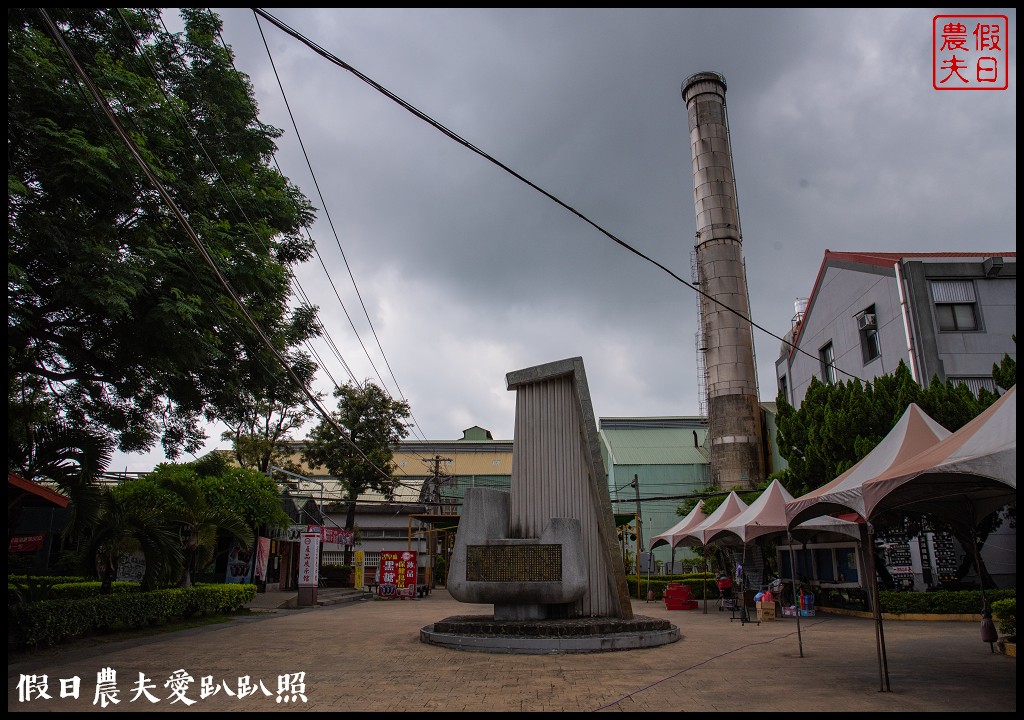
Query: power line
pixel 186 226
pixel 470 146
pixel 334 230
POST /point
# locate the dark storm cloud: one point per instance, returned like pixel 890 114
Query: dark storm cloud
pixel 839 142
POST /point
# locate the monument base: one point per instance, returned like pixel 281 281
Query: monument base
pixel 483 633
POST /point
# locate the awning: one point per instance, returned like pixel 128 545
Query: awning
pixel 624 519
pixel 447 522
pixel 438 522
pixel 40 496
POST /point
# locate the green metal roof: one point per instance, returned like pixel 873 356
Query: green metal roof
pixel 656 446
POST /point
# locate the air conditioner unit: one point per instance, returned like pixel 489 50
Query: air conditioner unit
pixel 867 321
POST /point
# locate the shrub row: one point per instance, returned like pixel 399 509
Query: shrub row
pixel 695 582
pixel 20 591
pixel 939 602
pixel 48 622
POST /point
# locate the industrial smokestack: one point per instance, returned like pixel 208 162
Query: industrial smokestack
pixel 734 412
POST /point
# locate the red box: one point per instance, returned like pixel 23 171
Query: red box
pixel 679 597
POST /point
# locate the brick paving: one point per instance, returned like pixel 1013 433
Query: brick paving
pixel 367 657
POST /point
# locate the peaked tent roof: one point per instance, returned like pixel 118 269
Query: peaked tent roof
pixel 700 534
pixel 766 513
pixel 963 478
pixel 767 516
pixel 914 433
pixel 675 535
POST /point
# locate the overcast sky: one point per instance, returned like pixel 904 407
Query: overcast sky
pixel 839 142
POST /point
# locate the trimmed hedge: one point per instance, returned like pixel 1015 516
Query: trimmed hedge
pixel 939 602
pixel 49 622
pixel 657 583
pixel 18 592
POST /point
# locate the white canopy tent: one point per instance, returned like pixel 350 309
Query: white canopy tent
pixel 766 517
pixel 913 433
pixel 962 479
pixel 698 535
pixel 675 535
pixel 959 477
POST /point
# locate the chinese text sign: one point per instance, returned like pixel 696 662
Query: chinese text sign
pixel 970 52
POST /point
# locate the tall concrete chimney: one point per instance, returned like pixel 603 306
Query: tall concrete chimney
pixel 734 412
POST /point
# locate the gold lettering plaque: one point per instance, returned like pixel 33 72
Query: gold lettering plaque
pixel 513 563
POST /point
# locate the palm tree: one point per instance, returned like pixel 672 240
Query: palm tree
pixel 199 523
pixel 121 526
pixel 50 450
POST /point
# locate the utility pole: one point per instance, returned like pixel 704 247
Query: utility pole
pixel 639 523
pixel 433 498
pixel 639 533
pixel 433 495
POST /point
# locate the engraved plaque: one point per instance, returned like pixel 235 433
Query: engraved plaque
pixel 514 563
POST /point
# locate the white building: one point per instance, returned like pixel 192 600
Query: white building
pixel 951 315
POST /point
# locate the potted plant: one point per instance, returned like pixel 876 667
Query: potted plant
pixel 1004 612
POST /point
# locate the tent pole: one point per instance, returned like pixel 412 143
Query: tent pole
pixel 988 630
pixel 977 556
pixel 744 614
pixel 792 571
pixel 867 531
pixel 705 581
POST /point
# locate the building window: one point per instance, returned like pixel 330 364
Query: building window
pixel 784 388
pixel 955 305
pixel 867 325
pixel 975 384
pixel 828 364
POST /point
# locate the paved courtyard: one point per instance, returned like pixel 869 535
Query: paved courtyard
pixel 367 657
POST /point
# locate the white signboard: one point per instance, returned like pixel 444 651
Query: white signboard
pixel 309 560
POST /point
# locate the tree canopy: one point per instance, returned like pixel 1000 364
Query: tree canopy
pixel 838 424
pixel 114 317
pixel 176 516
pixel 358 446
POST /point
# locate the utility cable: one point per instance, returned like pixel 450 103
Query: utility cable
pixel 183 221
pixel 468 145
pixel 415 423
pixel 323 202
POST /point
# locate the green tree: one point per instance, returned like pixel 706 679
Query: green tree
pixel 110 304
pixel 358 446
pixel 178 490
pixel 255 497
pixel 837 425
pixel 1005 373
pixel 121 525
pixel 261 420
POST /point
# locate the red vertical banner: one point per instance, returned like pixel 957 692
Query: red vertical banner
pixel 309 559
pixel 262 557
pixel 396 573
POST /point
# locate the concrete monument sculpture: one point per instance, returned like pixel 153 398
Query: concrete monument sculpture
pixel 545 553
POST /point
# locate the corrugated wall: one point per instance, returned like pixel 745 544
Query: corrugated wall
pixel 551 478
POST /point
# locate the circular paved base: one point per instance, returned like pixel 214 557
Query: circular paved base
pixel 482 633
